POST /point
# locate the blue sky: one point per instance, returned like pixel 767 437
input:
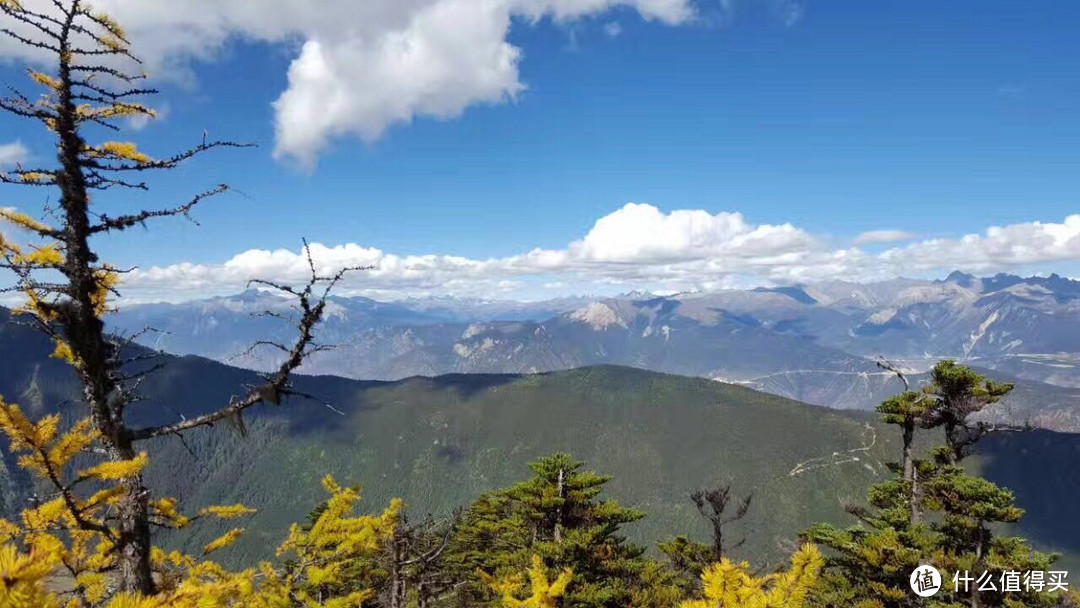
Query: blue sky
pixel 934 119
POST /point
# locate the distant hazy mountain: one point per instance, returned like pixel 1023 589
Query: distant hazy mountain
pixel 476 309
pixel 223 327
pixel 967 317
pixel 815 343
pixel 438 442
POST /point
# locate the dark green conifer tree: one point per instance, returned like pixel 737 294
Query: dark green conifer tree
pixel 558 515
pixel 932 511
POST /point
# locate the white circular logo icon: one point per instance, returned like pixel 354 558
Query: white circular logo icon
pixel 925 581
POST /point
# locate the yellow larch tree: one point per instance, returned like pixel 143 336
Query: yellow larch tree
pixel 71 538
pixel 731 585
pixel 89 84
pixel 543 593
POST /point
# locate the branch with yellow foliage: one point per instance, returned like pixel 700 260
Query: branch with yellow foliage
pixel 76 535
pixel 543 593
pixel 732 585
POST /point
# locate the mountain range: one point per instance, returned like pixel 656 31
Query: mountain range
pixel 438 442
pixel 814 343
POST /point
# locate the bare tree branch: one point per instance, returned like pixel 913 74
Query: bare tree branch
pixel 127 221
pixel 278 384
pixel 887 365
pixel 161 163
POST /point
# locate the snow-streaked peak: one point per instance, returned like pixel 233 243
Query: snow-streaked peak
pixel 599 316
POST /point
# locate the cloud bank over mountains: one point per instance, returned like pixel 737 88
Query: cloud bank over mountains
pixel 636 247
pixel 360 67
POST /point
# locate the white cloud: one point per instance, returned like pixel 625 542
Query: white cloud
pixel 13 153
pixel 612 29
pixel 361 67
pixel 642 233
pixel 998 247
pixel 451 55
pixel 635 247
pixel 883 236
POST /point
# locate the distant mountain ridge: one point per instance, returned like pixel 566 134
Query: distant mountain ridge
pixel 815 343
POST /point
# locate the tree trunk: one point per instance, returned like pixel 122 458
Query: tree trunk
pixel 951 438
pixel 981 541
pixel 911 475
pixel 718 540
pixel 397 584
pixel 559 511
pixel 421 594
pixel 134 538
pixel 85 335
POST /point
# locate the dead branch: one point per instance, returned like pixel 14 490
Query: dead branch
pixel 127 221
pixel 312 304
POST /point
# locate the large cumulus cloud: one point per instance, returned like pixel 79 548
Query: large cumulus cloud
pixel 360 67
